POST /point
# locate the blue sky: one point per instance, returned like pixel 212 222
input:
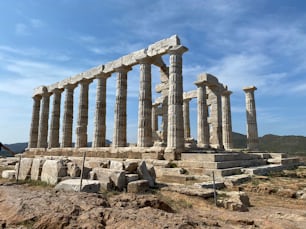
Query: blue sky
pixel 243 43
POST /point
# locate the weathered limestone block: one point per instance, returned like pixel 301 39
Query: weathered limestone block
pixel 24 169
pixel 37 168
pixel 144 174
pixel 117 177
pixel 53 170
pixel 8 174
pixel 138 186
pixel 93 163
pixel 152 172
pixel 130 166
pixel 116 165
pixel 237 201
pixel 74 185
pixel 73 170
pixel 131 177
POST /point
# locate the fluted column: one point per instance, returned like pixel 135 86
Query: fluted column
pixel 81 129
pixel 144 138
pixel 35 122
pixel 55 119
pixel 100 114
pixel 43 121
pixel 154 117
pixel 186 115
pixel 175 138
pixel 252 133
pixel 226 120
pixel 119 137
pixel 216 117
pixel 202 123
pixel 68 116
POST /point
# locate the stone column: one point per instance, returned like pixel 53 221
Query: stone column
pixel 144 138
pixel 175 138
pixel 164 124
pixel 81 129
pixel 68 116
pixel 154 118
pixel 226 120
pixel 44 119
pixel 252 133
pixel 216 117
pixel 55 119
pixel 186 118
pixel 202 124
pixel 100 114
pixel 34 122
pixel 119 136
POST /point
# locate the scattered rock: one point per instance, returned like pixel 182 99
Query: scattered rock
pixel 144 173
pixel 131 166
pixel 52 171
pixel 37 168
pixel 8 174
pixel 73 170
pixel 117 177
pixel 74 185
pixel 235 201
pixel 24 168
pixel 131 177
pixel 116 165
pixel 138 186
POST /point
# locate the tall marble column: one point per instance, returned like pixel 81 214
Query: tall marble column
pixel 68 116
pixel 35 122
pixel 203 127
pixel 100 114
pixel 216 117
pixel 164 124
pixel 55 119
pixel 119 136
pixel 175 138
pixel 226 120
pixel 154 117
pixel 44 119
pixel 144 138
pixel 186 117
pixel 81 129
pixel 252 133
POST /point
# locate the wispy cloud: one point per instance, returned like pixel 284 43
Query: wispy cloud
pixel 28 26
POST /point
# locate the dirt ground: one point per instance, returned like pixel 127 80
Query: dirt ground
pixel 273 199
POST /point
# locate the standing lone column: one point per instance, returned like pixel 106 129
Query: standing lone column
pixel 100 115
pixel 216 117
pixel 186 118
pixel 34 122
pixel 226 120
pixel 252 133
pixel 175 138
pixel 144 138
pixel 203 127
pixel 68 116
pixel 55 119
pixel 119 137
pixel 81 130
pixel 44 118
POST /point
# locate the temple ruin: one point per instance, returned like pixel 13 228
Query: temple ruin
pixel 169 140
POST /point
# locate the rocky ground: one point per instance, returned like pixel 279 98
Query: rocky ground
pixel 276 202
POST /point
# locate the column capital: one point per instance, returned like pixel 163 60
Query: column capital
pixel 187 99
pixel 249 89
pixel 226 93
pixel 45 92
pixel 70 86
pixel 57 90
pixel 145 60
pixel 179 49
pixel 123 69
pixel 85 81
pixel 103 75
pixel 37 97
pixel 200 83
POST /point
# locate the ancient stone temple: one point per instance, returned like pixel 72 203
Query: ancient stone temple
pixel 169 140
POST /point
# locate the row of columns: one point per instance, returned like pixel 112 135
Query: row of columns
pixel 40 113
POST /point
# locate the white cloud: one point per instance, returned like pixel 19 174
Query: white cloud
pixel 21 29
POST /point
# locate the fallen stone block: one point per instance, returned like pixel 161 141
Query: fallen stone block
pixel 117 177
pixel 131 177
pixel 235 201
pixel 8 174
pixel 73 170
pixel 130 166
pixel 74 185
pixel 138 186
pixel 37 168
pixel 53 170
pixel 144 173
pixel 210 185
pixel 24 168
pixel 116 165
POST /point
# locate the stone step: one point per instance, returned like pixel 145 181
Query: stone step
pixel 236 179
pixel 218 157
pixel 180 179
pixel 284 161
pixel 263 170
pixel 210 184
